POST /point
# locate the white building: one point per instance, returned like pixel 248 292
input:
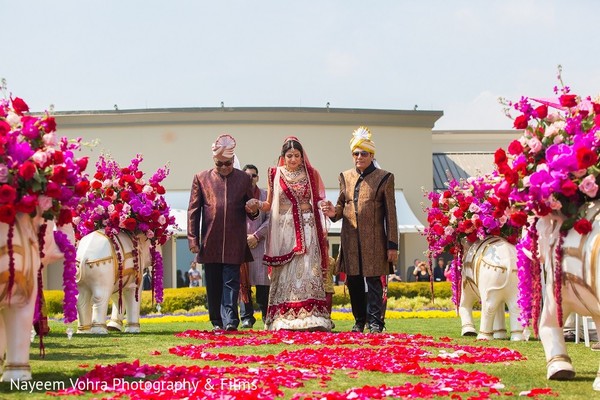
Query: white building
pixel 182 139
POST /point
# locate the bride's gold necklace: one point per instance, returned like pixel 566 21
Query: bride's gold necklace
pixel 292 175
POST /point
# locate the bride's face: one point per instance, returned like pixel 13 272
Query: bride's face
pixel 293 159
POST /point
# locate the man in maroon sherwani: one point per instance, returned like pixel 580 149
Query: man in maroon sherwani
pixel 217 231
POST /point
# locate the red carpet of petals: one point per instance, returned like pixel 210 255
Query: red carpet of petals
pixel 256 376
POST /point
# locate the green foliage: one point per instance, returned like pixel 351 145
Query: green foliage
pixel 194 299
pixel 173 300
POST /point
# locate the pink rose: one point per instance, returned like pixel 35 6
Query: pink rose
pixel 535 145
pixel 588 186
pixel 40 158
pixel 45 203
pixel 3 173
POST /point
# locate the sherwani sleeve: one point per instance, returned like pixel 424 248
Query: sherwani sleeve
pixel 341 201
pixel 391 218
pixel 194 214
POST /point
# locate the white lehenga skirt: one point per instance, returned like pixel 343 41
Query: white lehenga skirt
pixel 297 295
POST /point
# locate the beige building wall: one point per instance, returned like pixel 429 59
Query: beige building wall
pixel 182 139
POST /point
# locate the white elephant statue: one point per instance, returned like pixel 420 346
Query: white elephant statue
pixel 489 274
pixel 17 307
pixel 98 281
pixel 580 287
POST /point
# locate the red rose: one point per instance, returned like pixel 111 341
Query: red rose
pixel 130 224
pixel 19 105
pixel 515 148
pixel 139 174
pixel 58 157
pixel 125 195
pixel 7 214
pixel 27 204
pixel 500 156
pixel 109 193
pixel 8 194
pixel 49 124
pixel 160 189
pixel 114 218
pixel 96 185
pixel 4 128
pixel 27 170
pixel 53 190
pixel 568 100
pixel 99 175
pixel 65 216
pixel 583 226
pixel 82 163
pixel 447 194
pixel 82 187
pixel 518 219
pixel 472 237
pixel 568 188
pixel 586 158
pixel 125 171
pixel 542 111
pixel 521 122
pixel 59 174
pixel 596 108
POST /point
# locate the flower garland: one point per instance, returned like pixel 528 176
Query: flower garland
pixel 69 273
pixel 157 273
pixel 558 258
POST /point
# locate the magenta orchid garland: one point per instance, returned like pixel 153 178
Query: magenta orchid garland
pixel 39 176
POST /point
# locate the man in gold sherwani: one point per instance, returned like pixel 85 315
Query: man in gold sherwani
pixel 369 236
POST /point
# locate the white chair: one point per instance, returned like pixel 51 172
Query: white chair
pixel 587 323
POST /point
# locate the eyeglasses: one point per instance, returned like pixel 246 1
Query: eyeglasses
pixel 361 153
pixel 254 175
pixel 223 163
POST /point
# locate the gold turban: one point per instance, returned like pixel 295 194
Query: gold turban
pixel 223 147
pixel 361 139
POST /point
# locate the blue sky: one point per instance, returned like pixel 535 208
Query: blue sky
pixel 453 56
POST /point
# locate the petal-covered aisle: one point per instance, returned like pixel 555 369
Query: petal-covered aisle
pixel 431 366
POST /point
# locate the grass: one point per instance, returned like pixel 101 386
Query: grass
pixel 68 359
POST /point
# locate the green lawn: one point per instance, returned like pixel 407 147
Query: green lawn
pixel 66 360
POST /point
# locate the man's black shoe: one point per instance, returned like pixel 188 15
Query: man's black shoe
pixel 231 327
pixel 375 329
pixel 358 328
pixel 247 324
pixel 217 328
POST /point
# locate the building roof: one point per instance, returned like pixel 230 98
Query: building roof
pixel 448 166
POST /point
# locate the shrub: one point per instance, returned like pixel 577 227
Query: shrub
pixel 189 299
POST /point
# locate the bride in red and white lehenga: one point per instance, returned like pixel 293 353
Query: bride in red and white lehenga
pixel 297 249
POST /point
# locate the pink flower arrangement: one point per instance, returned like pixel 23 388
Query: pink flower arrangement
pixel 468 210
pixel 120 199
pixel 40 176
pixel 552 168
